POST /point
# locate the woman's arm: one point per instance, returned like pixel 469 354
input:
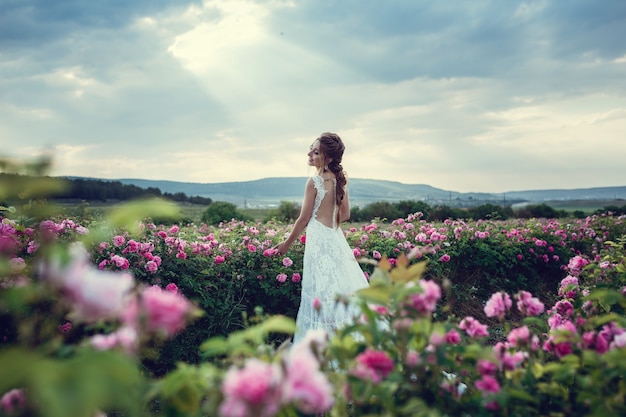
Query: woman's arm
pixel 305 214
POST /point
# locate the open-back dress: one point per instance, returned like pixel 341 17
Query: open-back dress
pixel 329 269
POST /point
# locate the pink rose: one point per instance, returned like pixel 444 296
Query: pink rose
pixel 12 401
pixel 254 390
pixel 498 305
pixel 453 337
pixel 287 262
pixel 473 327
pixel 159 310
pixel 488 384
pixel 281 277
pixel 377 360
pixel 426 301
pixel 296 277
pixel 529 305
pixel 305 385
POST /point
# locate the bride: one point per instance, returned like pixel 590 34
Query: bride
pixel 330 268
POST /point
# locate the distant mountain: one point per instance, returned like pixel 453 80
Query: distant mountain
pixel 268 192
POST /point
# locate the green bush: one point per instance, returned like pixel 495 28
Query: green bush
pixel 222 211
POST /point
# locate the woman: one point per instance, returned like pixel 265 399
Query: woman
pixel 330 268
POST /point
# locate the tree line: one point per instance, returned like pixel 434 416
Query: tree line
pixel 102 190
pixel 288 211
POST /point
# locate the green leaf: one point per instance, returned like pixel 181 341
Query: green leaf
pixel 215 346
pixel 278 324
pixel 128 215
pixel 376 294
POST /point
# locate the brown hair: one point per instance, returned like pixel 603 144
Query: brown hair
pixel 332 146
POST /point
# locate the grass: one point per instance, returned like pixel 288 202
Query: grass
pixel 586 206
pixel 193 212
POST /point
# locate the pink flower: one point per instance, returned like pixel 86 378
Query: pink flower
pixel 619 341
pixel 125 338
pixel 305 385
pixel 159 310
pixel 486 367
pixel 376 360
pixel 65 327
pixel 473 327
pixel 527 304
pixel 94 295
pixel 564 308
pixel 518 336
pixel 120 261
pixel 12 401
pixel 151 266
pixel 254 390
pixel 287 262
pixel 412 359
pixel 296 277
pixel 508 360
pixel 376 254
pixel 576 265
pixel 173 230
pixel 426 301
pixel 132 246
pixel 270 252
pixel 488 384
pixel 171 287
pixel 303 239
pixel 317 304
pixel 453 337
pixel 251 248
pixel 356 252
pixel 445 258
pixel 219 259
pixel 498 305
pixel 281 277
pixel 569 287
pixel 119 240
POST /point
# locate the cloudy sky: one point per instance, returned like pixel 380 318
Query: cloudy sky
pixel 482 96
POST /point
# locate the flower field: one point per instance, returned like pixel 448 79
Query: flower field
pixel 516 317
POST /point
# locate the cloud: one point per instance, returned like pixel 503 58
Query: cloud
pixel 465 96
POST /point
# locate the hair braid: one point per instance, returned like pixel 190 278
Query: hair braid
pixel 332 147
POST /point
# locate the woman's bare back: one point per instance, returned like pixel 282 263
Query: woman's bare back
pixel 326 214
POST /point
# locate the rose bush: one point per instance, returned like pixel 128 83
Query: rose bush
pixel 122 315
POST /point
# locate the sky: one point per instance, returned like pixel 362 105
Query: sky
pixel 468 96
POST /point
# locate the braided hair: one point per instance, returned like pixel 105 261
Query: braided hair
pixel 332 146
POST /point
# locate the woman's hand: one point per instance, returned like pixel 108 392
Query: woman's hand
pixel 282 248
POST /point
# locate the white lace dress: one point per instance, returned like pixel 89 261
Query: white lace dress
pixel 330 269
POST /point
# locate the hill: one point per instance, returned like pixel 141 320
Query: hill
pixel 268 192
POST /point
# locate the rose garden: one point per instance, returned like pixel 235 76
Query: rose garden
pixel 122 315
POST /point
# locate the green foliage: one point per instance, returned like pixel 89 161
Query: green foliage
pixel 379 209
pixel 222 211
pixel 490 212
pixel 287 211
pixel 248 312
pixel 540 211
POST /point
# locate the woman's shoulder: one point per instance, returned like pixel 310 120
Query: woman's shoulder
pixel 327 176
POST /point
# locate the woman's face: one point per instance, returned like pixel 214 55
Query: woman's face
pixel 316 158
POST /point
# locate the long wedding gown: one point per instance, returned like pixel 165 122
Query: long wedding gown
pixel 330 269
